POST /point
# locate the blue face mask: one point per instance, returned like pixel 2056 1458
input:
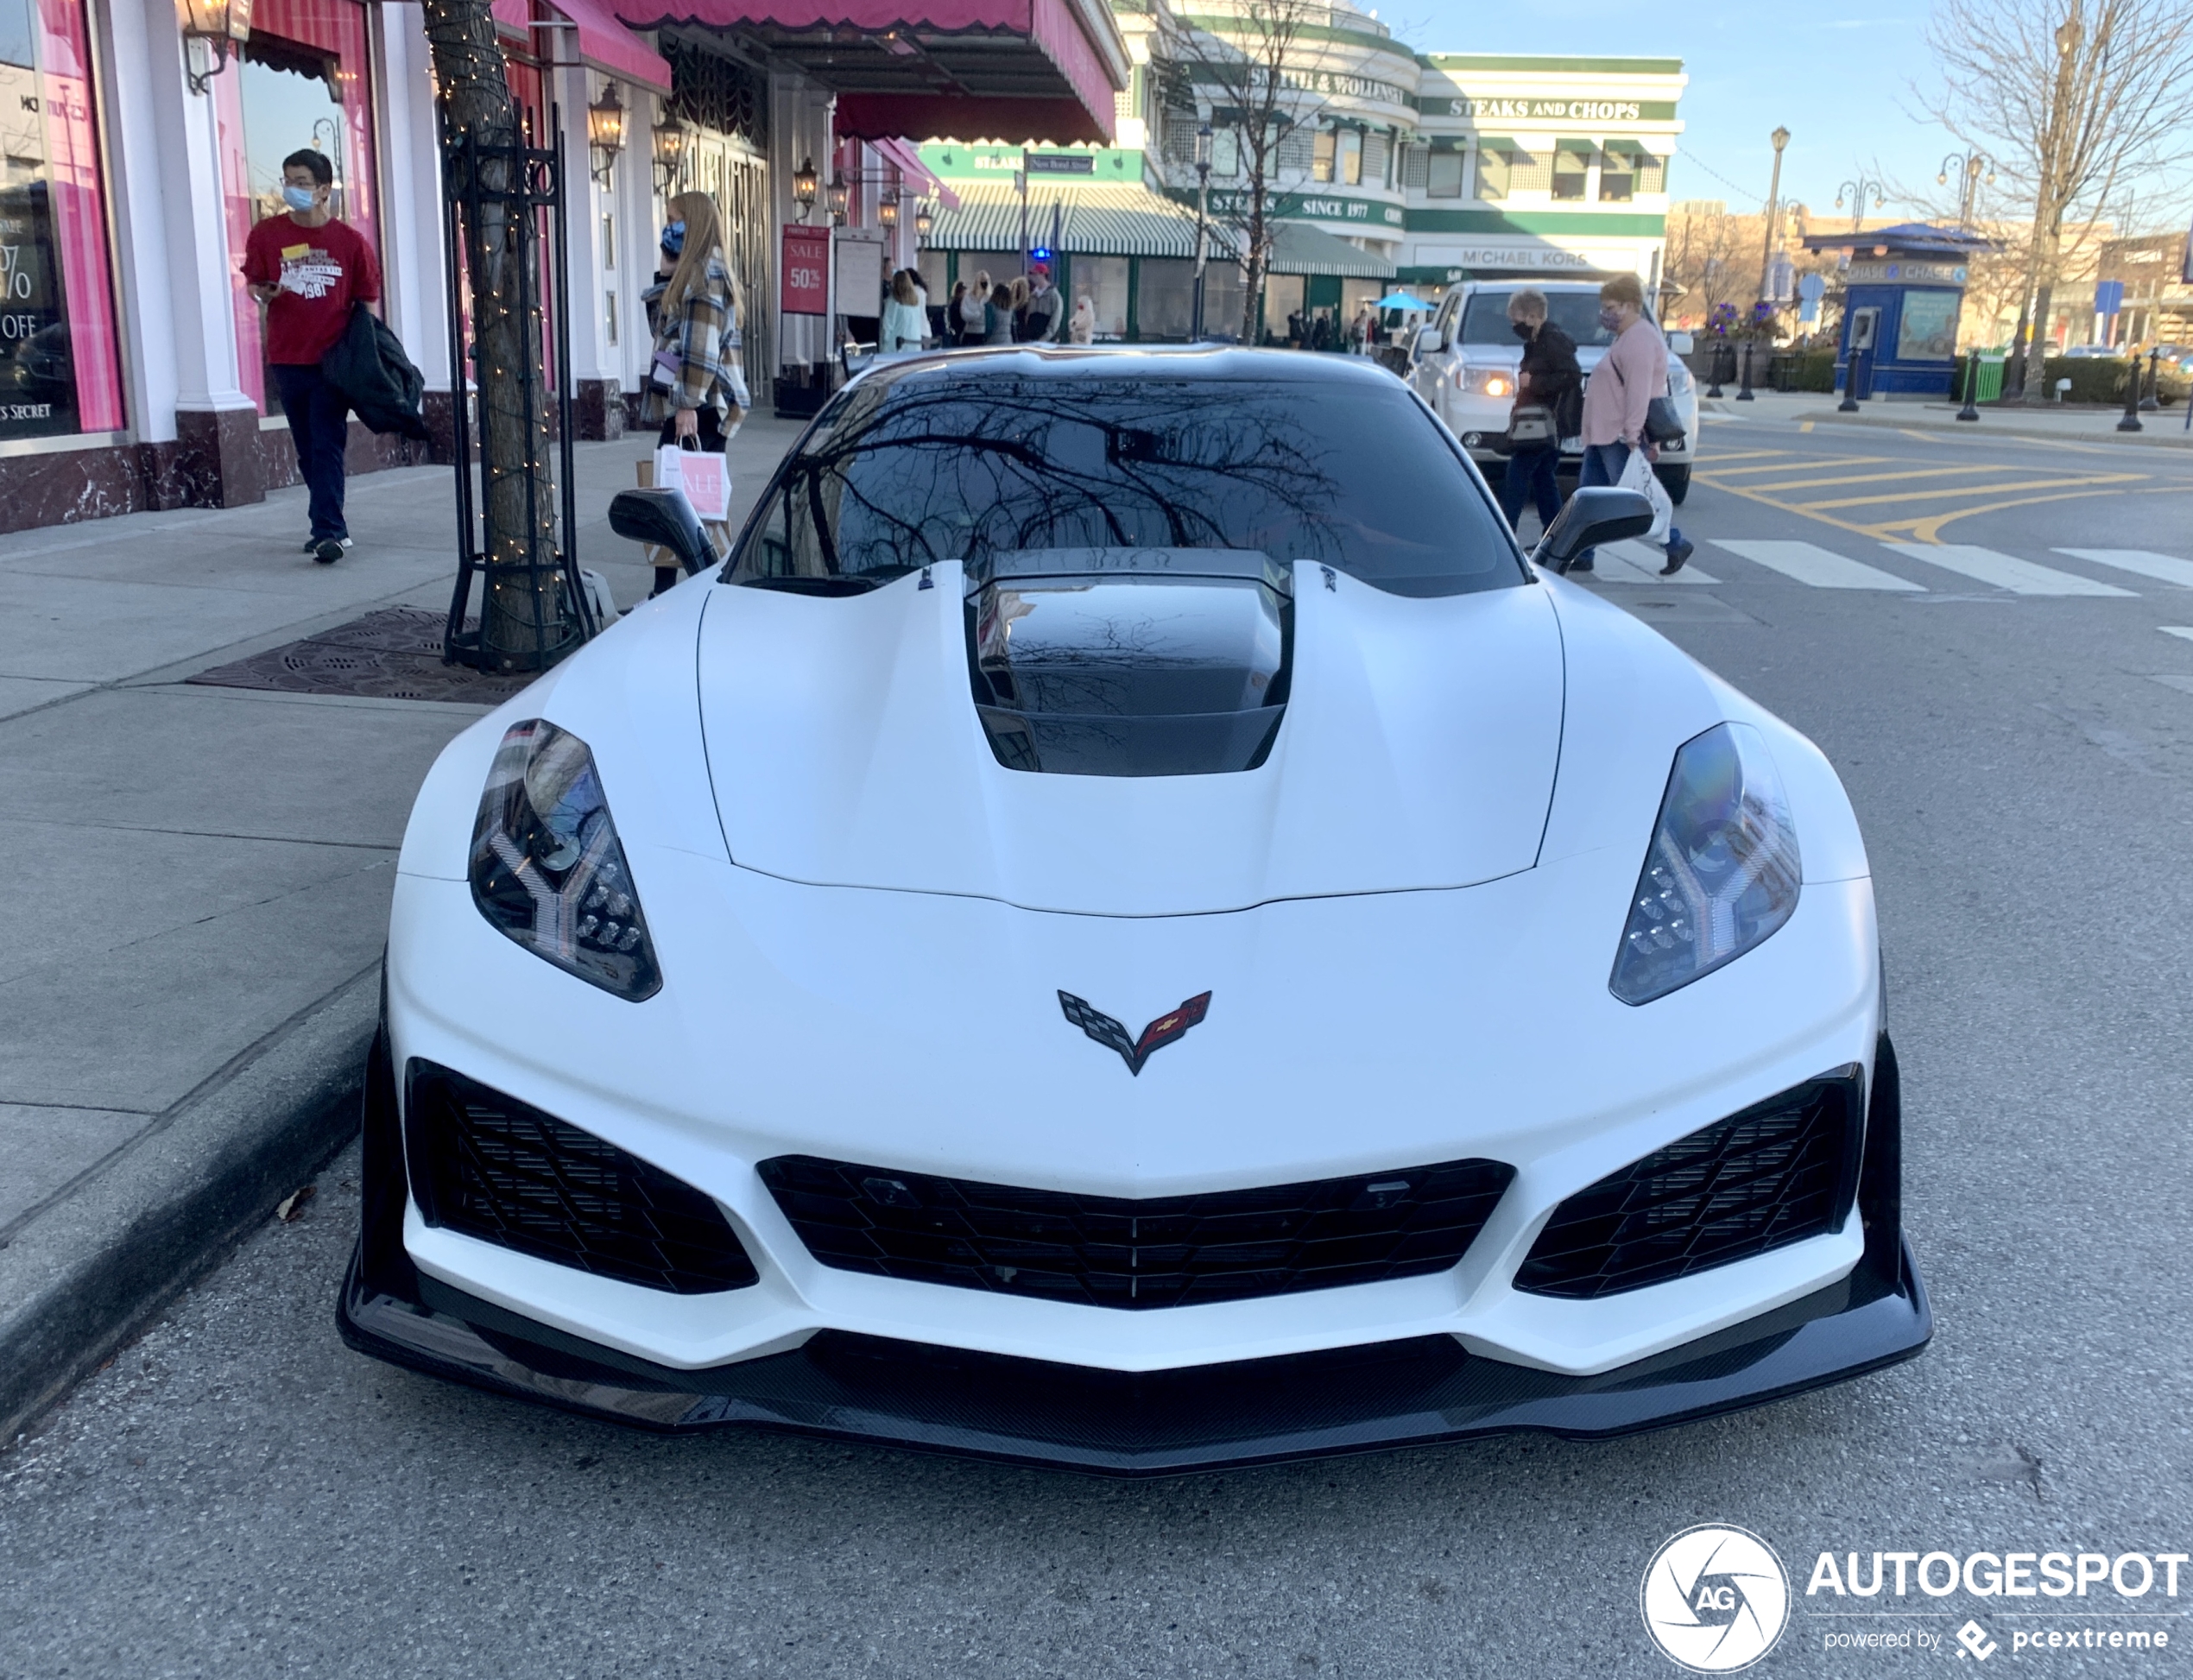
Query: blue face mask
pixel 673 239
pixel 300 198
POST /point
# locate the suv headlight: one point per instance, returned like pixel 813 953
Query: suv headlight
pixel 1488 381
pixel 1721 873
pixel 548 869
pixel 1678 378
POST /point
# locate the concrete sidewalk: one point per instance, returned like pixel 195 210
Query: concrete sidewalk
pixel 2165 427
pixel 202 880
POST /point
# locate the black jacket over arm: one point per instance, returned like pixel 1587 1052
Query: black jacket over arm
pixel 367 365
pixel 1556 380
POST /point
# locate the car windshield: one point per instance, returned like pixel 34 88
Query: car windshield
pixel 949 463
pixel 1484 318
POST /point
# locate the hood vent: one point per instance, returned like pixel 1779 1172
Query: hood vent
pixel 1129 662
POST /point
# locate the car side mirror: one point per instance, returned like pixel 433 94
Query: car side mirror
pixel 1682 344
pixel 665 519
pixel 1599 514
pixel 1429 340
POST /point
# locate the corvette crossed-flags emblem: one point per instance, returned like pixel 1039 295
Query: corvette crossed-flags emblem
pixel 1112 1034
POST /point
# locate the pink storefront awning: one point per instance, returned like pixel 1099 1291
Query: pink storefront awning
pixel 588 32
pixel 1010 69
pixel 917 173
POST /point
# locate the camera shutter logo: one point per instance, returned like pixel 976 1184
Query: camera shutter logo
pixel 1714 1599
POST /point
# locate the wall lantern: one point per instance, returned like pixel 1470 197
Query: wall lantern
pixel 212 30
pixel 924 219
pixel 803 184
pixel 605 132
pixel 840 196
pixel 887 212
pixel 669 136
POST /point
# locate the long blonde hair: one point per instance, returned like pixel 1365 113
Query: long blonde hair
pixel 704 239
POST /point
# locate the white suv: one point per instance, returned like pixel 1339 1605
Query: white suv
pixel 1464 365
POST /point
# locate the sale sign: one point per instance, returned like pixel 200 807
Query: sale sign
pixel 807 271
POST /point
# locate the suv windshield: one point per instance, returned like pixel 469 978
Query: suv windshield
pixel 947 464
pixel 1484 318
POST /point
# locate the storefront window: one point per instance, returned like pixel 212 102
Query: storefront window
pixel 1569 169
pixel 1443 175
pixel 1492 173
pixel 1103 279
pixel 1321 153
pixel 1617 177
pixel 58 372
pixel 1351 157
pixel 303 83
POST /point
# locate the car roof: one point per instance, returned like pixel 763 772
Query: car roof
pixel 1166 362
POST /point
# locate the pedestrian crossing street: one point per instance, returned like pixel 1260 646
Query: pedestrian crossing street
pixel 1816 566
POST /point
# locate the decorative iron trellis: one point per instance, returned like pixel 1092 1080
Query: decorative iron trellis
pixel 715 92
pixel 527 183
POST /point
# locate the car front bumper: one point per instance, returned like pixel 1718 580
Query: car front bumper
pixel 1363 1397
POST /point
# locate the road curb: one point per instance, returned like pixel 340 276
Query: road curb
pixel 1990 424
pixel 92 1268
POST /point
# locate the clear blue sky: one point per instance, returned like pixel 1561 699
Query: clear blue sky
pixel 1832 73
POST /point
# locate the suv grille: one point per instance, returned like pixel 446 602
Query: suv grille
pixel 1773 1175
pixel 1106 1251
pixel 500 1169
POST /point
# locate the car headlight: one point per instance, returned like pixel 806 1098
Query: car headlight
pixel 1488 381
pixel 548 869
pixel 1721 873
pixel 1678 378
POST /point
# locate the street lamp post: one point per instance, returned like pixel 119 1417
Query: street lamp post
pixel 1857 191
pixel 1202 223
pixel 1971 165
pixel 1781 138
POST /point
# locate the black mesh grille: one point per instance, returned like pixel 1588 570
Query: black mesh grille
pixel 1773 1175
pixel 497 1169
pixel 1111 1252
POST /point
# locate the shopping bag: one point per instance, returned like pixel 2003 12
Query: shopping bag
pixel 704 479
pixel 1638 475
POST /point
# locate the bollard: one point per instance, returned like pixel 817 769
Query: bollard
pixel 2131 422
pixel 1971 411
pixel 1715 375
pixel 1745 394
pixel 1849 403
pixel 2152 401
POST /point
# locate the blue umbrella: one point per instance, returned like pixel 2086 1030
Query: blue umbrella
pixel 1400 300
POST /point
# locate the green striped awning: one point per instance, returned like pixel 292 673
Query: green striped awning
pixel 1299 248
pixel 1494 143
pixel 1637 147
pixel 1586 147
pixel 1101 218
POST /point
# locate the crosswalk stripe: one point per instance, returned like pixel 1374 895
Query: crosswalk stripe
pixel 1818 483
pixel 2161 567
pixel 2185 630
pixel 1987 566
pixel 1631 561
pixel 1807 563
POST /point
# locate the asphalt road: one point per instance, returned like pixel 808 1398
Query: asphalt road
pixel 238 1495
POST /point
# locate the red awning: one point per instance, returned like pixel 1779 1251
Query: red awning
pixel 1005 70
pixel 924 184
pixel 587 32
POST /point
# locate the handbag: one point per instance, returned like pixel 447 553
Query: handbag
pixel 1531 423
pixel 1662 424
pixel 701 475
pixel 1638 475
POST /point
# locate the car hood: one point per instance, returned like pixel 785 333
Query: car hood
pixel 1418 750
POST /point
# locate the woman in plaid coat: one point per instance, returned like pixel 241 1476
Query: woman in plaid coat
pixel 696 387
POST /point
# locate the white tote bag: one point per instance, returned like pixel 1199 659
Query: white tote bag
pixel 1638 475
pixel 704 478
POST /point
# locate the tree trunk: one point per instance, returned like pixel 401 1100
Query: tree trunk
pixel 522 612
pixel 2036 391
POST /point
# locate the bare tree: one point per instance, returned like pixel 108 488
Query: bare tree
pixel 1253 65
pixel 1706 252
pixel 520 610
pixel 2076 101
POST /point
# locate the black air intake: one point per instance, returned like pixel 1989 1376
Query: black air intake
pixel 500 1169
pixel 1167 1251
pixel 1775 1174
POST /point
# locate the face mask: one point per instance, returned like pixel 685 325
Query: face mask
pixel 1522 330
pixel 300 198
pixel 673 239
pixel 1610 318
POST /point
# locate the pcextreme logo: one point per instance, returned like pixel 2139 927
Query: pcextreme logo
pixel 1714 1599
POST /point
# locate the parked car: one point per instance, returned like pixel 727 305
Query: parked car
pixel 1131 927
pixel 1464 365
pixel 2095 352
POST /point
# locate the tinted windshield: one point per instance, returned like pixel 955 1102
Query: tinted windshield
pixel 948 464
pixel 1484 318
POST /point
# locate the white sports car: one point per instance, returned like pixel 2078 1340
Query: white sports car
pixel 1130 928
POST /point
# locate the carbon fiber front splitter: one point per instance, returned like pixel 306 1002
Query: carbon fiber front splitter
pixel 1205 1417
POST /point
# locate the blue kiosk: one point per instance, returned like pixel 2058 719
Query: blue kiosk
pixel 1903 289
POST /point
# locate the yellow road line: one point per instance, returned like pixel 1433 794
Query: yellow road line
pixel 1930 528
pixel 1884 478
pixel 1804 426
pixel 1964 489
pixel 1787 464
pixel 1755 455
pixel 1784 507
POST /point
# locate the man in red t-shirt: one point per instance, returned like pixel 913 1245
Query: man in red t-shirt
pixel 308 269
